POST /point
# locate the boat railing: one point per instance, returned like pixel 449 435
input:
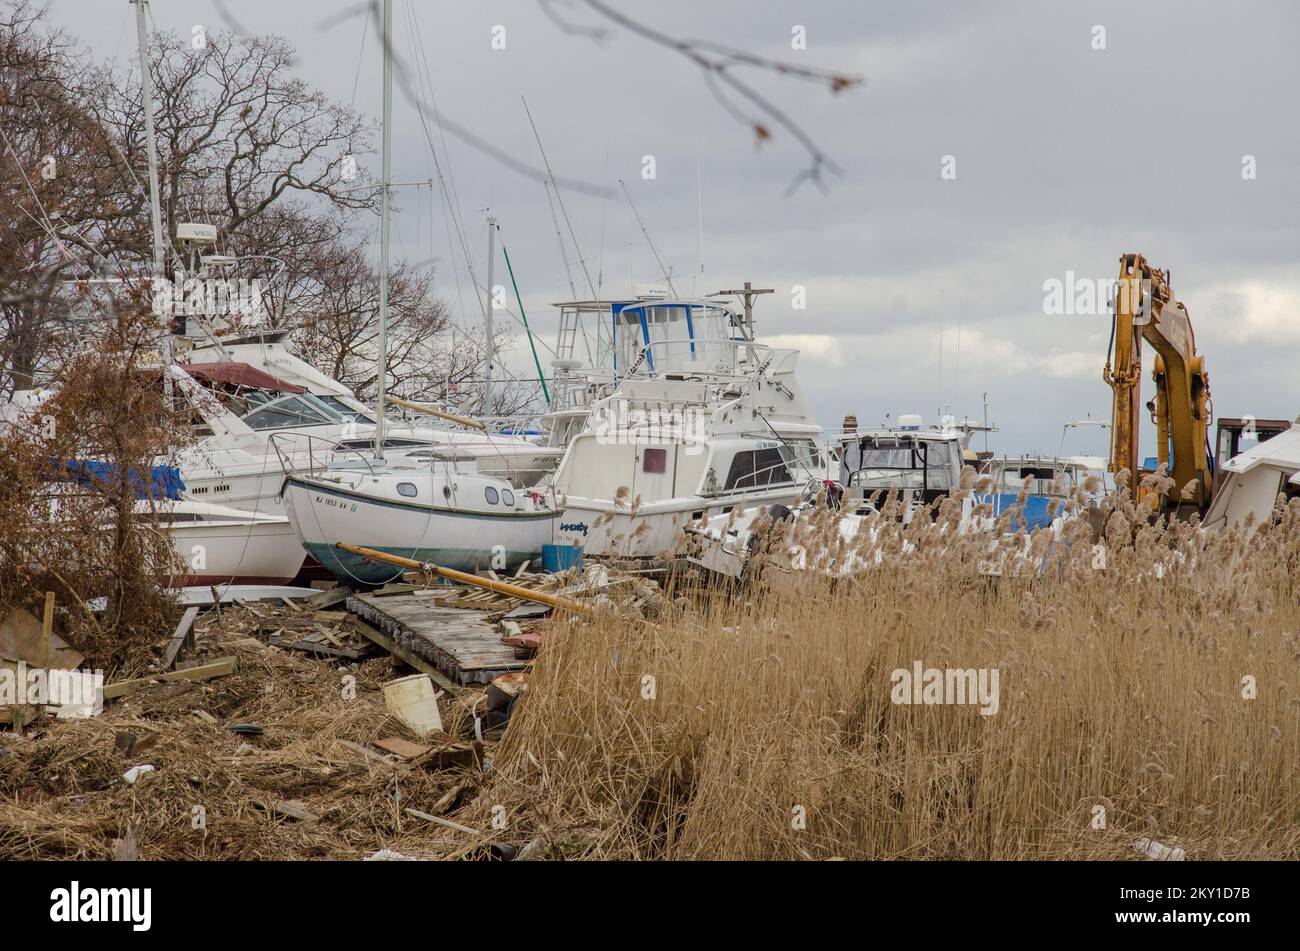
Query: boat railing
pixel 794 466
pixel 320 453
pixel 708 361
pixel 684 358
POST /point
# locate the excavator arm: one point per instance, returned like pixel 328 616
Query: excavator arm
pixel 1146 309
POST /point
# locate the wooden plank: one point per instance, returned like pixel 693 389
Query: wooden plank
pixel 311 647
pixel 368 753
pixel 19 717
pixel 47 631
pixel 178 636
pixel 327 599
pixel 400 747
pixel 442 822
pixel 419 663
pixel 217 668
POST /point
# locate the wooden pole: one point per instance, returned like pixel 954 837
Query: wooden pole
pixel 430 411
pixel 47 632
pixel 451 574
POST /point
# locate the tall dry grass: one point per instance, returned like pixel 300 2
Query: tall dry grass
pixel 1122 707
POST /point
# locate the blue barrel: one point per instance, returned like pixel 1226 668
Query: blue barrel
pixel 561 557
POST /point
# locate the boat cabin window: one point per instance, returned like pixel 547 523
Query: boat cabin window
pixel 1043 479
pixel 491 495
pixel 507 497
pixel 345 410
pixel 807 453
pixel 754 468
pixel 654 461
pixel 407 489
pixel 685 338
pixel 292 412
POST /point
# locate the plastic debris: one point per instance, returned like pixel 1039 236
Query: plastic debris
pixel 135 772
pixel 1157 851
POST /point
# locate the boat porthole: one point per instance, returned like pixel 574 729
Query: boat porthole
pixel 491 494
pixel 407 489
pixel 508 497
pixel 446 491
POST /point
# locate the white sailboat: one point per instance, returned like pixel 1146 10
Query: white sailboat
pixel 435 506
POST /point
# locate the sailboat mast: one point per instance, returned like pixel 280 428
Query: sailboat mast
pixel 382 382
pixel 155 207
pixel 488 330
pixel 146 91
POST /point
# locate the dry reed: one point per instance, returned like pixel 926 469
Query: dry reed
pixel 767 730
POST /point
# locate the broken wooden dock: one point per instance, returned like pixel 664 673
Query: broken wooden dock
pixel 458 641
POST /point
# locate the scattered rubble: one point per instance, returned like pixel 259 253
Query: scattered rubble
pixel 284 725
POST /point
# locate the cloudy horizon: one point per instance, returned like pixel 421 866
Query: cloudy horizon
pixel 987 153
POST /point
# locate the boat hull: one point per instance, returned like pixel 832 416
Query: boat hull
pixel 324 515
pixel 254 552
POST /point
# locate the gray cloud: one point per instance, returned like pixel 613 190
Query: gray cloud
pixel 1066 157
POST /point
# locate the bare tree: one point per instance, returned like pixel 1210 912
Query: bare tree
pixel 239 139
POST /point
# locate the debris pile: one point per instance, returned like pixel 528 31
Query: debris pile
pixel 283 729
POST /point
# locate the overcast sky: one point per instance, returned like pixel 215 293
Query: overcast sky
pixel 1065 156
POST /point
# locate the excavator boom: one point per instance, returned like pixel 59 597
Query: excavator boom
pixel 1146 310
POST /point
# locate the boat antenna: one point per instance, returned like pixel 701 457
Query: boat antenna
pixel 940 401
pixel 699 205
pixel 604 200
pixel 560 199
pixel 559 240
pixel 986 422
pixel 653 250
pixel 956 385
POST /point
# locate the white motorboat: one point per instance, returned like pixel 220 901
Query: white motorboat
pixel 1251 481
pixel 255 425
pixel 914 464
pixel 680 417
pixel 222 545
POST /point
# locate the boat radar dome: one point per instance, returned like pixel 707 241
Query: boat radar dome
pixel 910 421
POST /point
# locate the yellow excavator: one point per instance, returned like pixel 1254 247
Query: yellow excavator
pixel 1146 309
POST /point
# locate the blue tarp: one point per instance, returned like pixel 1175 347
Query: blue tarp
pixel 164 481
pixel 1033 514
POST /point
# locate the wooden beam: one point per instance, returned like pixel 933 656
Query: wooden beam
pixel 315 647
pixel 327 599
pixel 429 410
pixel 413 660
pixel 178 636
pixel 217 668
pixel 501 587
pixel 47 631
pixel 442 822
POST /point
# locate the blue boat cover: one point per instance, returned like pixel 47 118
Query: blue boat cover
pixel 164 481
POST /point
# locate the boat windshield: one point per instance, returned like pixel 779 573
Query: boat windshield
pixel 348 409
pixel 898 463
pixel 292 412
pixel 1045 477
